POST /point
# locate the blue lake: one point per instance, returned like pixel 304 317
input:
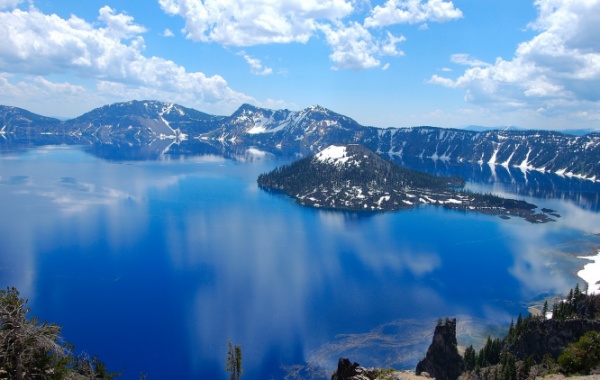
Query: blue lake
pixel 154 265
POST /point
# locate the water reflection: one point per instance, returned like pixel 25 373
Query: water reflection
pixel 585 194
pixel 188 252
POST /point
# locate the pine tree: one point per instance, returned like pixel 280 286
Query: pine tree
pixel 27 347
pixel 545 310
pixel 233 364
pixel 470 358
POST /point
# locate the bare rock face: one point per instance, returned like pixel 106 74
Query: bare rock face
pixel 443 362
pixel 346 370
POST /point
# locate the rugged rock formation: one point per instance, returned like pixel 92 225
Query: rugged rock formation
pixel 443 361
pixel 346 370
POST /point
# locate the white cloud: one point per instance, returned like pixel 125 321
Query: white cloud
pixel 9 3
pixel 40 95
pixel 256 66
pixel 385 67
pixel 258 22
pixel 355 48
pixel 38 44
pixel 389 45
pixel 412 12
pixel 557 72
pixel 246 23
pixel 119 25
pixel 37 87
pixel 467 60
pixel 168 33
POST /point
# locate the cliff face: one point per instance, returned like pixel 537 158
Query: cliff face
pixel 541 337
pixel 443 362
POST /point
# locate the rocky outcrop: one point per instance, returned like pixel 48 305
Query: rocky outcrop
pixel 443 361
pixel 346 370
pixel 540 337
pixel 353 371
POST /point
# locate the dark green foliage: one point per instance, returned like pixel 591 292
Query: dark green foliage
pixel 545 309
pixel 306 173
pixel 533 343
pixel 577 305
pixel 581 357
pixel 490 353
pixel 509 367
pixel 470 358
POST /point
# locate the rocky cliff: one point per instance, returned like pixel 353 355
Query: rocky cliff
pixel 443 362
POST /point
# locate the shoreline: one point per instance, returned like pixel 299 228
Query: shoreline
pixel 591 273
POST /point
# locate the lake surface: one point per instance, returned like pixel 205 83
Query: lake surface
pixel 154 265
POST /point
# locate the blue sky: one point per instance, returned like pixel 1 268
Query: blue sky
pixel 533 64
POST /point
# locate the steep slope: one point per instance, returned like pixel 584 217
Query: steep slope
pixel 545 151
pixel 293 131
pixel 141 120
pixel 442 360
pixel 19 121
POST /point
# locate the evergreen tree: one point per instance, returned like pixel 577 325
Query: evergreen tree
pixel 580 357
pixel 30 349
pixel 27 348
pixel 545 310
pixel 470 358
pixel 233 364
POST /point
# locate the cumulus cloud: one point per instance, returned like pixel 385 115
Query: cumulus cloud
pixel 412 12
pixel 556 72
pixel 256 66
pixel 243 23
pixel 38 44
pixel 355 48
pixel 168 33
pixel 247 23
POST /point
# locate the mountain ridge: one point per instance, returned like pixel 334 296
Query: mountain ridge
pixel 312 129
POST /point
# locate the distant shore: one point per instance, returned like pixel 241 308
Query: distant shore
pixel 591 273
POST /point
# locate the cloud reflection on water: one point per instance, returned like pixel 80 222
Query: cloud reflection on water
pixel 252 267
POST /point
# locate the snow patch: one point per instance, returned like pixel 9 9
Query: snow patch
pixel 591 274
pixel 335 155
pixel 493 159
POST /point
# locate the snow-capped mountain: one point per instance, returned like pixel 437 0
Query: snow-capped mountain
pixel 284 129
pixel 18 120
pixel 141 120
pixel 544 151
pixel 311 130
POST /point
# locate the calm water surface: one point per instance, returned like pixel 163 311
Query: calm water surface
pixel 153 265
